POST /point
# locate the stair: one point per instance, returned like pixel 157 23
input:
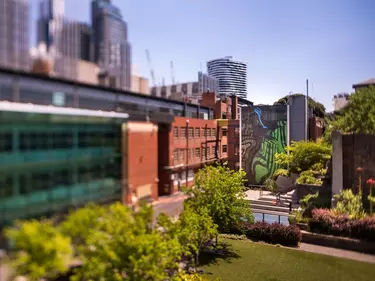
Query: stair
pixel 267 206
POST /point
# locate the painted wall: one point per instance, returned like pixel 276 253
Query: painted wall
pixel 264 132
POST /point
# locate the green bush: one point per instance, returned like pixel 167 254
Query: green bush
pixel 270 185
pixel 318 169
pixel 349 204
pixel 40 250
pixel 307 177
pixel 280 172
pixel 303 155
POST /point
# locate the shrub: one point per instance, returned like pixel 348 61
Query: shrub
pixel 327 222
pixel 274 233
pixel 307 177
pixel 350 204
pixel 270 185
pixel 280 172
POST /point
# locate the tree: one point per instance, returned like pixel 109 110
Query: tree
pixel 359 115
pixel 126 246
pixel 196 230
pixel 221 192
pixel 40 250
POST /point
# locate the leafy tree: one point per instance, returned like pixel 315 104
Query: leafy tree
pixel 221 191
pixel 197 229
pixel 350 204
pixel 126 246
pixel 303 155
pixel 359 115
pixel 40 250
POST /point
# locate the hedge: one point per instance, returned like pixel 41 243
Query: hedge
pixel 274 233
pixel 326 222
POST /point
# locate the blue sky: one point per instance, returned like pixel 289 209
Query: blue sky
pixel 284 42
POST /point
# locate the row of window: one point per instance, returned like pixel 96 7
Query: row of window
pixel 47 180
pixel 57 140
pixel 179 153
pixel 193 132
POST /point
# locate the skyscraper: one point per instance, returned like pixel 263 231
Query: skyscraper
pixel 14 34
pixel 111 46
pixel 232 76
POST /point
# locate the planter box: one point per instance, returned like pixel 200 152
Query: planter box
pixel 303 226
pixel 344 243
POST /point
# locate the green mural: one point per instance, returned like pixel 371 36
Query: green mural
pixel 264 133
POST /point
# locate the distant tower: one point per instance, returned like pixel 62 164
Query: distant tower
pixel 111 46
pixel 232 76
pixel 14 34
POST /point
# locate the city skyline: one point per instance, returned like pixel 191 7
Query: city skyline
pixel 283 43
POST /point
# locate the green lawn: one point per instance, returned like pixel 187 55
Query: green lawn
pixel 250 261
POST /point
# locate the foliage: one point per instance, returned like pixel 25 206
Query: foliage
pixel 40 250
pixel 191 277
pixel 328 222
pixel 233 236
pixel 307 177
pixel 270 185
pixel 358 115
pixel 274 233
pixel 221 191
pixel 303 155
pixel 349 204
pixel 196 230
pixel 318 169
pixel 79 224
pixel 280 172
pixel 126 246
pixel 296 216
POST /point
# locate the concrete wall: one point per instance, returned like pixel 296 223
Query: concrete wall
pixel 297 118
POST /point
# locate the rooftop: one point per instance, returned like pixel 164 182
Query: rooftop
pixel 370 81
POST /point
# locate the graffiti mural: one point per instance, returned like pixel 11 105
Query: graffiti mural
pixel 264 133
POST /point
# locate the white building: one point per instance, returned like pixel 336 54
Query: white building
pixel 340 101
pixel 232 75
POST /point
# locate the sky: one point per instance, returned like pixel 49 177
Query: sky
pixel 329 42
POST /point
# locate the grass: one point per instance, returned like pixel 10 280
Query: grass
pixel 248 261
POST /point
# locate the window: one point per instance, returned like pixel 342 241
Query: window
pixel 189 153
pixel 225 132
pixel 203 132
pixel 175 155
pixel 175 132
pixel 182 152
pixel 208 152
pixel 183 132
pixel 224 115
pixel 213 132
pixel 197 152
pixel 236 149
pixel 203 152
pixel 208 132
pixel 6 144
pixel 6 186
pixel 197 132
pixel 191 132
pixel 41 140
pixel 224 149
pixel 214 151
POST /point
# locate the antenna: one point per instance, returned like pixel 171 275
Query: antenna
pixel 150 66
pixel 172 73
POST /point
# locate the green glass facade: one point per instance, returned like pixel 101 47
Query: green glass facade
pixel 48 164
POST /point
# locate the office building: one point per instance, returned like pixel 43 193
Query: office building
pixel 340 101
pixel 111 46
pixel 14 34
pixel 67 41
pixel 232 76
pixel 187 91
pixel 140 85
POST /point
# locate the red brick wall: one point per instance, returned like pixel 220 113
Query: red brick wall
pixel 142 158
pixel 233 143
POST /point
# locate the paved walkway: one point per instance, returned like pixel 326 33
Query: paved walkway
pixel 337 253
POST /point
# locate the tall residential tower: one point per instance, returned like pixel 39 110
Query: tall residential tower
pixel 111 46
pixel 232 76
pixel 14 34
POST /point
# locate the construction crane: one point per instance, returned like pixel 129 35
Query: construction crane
pixel 172 73
pixel 150 66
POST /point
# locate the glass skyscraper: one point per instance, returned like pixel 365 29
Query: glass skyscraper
pixel 232 76
pixel 112 49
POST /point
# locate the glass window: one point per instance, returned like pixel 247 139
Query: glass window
pixel 189 153
pixel 224 149
pixel 191 132
pixel 214 150
pixel 213 132
pixel 203 152
pixel 6 92
pixel 197 132
pixel 175 132
pixel 6 186
pixel 225 132
pixel 208 132
pixel 6 143
pixel 182 152
pixel 175 155
pixel 203 132
pixel 183 132
pixel 197 152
